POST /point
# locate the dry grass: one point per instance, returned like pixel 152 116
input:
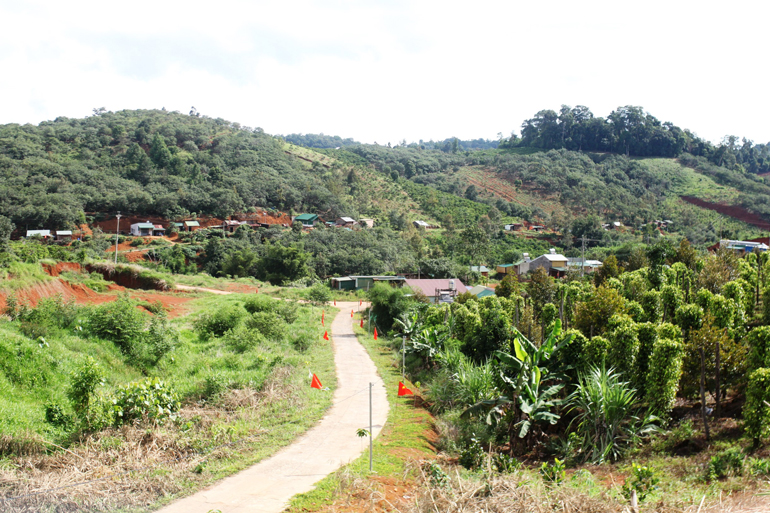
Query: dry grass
pixel 525 493
pixel 132 466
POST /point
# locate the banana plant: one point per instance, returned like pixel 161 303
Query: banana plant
pixel 524 376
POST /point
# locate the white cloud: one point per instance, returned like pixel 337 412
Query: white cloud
pixel 386 71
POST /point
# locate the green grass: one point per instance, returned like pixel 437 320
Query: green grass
pixel 404 433
pixel 33 375
pixel 19 275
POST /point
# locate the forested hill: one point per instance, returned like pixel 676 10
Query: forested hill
pixel 156 162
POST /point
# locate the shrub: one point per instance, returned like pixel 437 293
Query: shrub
pixel 289 311
pixel 642 480
pixel 150 400
pixel 155 307
pixel 725 463
pixel 136 242
pixel 260 303
pixel 624 346
pixel 663 375
pixel 553 473
pixel 119 322
pixel 759 344
pixel 596 350
pixel 83 384
pixel 220 322
pixel 505 464
pixel 472 455
pixel 319 294
pixel 56 416
pixel 242 339
pixel 214 385
pixel 756 412
pixel 159 340
pixel 647 335
pixel 268 324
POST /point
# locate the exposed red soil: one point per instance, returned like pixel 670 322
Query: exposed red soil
pixel 264 217
pixel 733 211
pixel 60 267
pixel 242 288
pixel 172 302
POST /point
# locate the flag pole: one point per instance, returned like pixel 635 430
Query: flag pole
pixel 371 434
pixel 403 357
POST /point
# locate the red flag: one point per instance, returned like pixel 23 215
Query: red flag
pixel 360 301
pixel 316 383
pixel 402 390
pixel 323 314
pixel 335 302
pixel 326 335
pixel 375 333
pixel 351 313
pixel 362 322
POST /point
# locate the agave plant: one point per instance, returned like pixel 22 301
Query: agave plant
pixel 608 420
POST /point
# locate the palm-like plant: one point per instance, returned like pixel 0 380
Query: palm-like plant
pixel 524 377
pixel 608 419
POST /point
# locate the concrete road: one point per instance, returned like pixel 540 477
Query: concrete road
pixel 267 486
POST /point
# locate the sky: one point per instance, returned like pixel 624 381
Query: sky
pixel 387 71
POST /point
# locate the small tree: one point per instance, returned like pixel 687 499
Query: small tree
pixel 508 287
pixel 756 412
pixel 663 376
pixel 83 384
pixel 319 294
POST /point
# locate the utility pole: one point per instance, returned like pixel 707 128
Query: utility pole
pixel 117 231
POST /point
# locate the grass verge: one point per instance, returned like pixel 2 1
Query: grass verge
pixel 407 436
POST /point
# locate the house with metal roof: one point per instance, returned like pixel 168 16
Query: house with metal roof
pixel 587 265
pixel 481 269
pixel 481 291
pixel 368 223
pixel 45 234
pixel 347 222
pixel 364 282
pixel 307 220
pixel 191 226
pixel 743 247
pixel 63 234
pixel 438 290
pixel 142 229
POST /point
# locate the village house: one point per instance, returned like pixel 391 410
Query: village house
pixel 367 223
pixel 589 266
pixel 481 269
pixel 44 234
pixel 307 220
pixel 553 263
pixel 742 247
pixel 230 225
pixel 438 291
pixel 364 282
pixel 515 227
pixel 142 229
pixel 481 291
pixel 191 226
pixel 158 230
pixel 421 224
pixel 346 222
pixel 63 234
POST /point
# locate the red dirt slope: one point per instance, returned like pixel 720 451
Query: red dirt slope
pixel 733 211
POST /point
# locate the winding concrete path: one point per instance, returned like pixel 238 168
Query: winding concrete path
pixel 267 486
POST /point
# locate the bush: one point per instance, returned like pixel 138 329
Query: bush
pixel 83 384
pixel 725 463
pixel 624 346
pixel 220 322
pixel 260 303
pixel 289 311
pixel 663 375
pixel 268 324
pixel 242 339
pixel 319 294
pixel 643 481
pixel 759 344
pixel 756 412
pixel 56 416
pixel 214 385
pixel 119 322
pixel 472 455
pixel 150 400
pixel 159 340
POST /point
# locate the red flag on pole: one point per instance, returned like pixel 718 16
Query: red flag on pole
pixel 362 322
pixel 316 383
pixel 402 390
pixel 326 335
pixel 335 302
pixel 323 314
pixel 360 301
pixel 351 313
pixel 375 333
